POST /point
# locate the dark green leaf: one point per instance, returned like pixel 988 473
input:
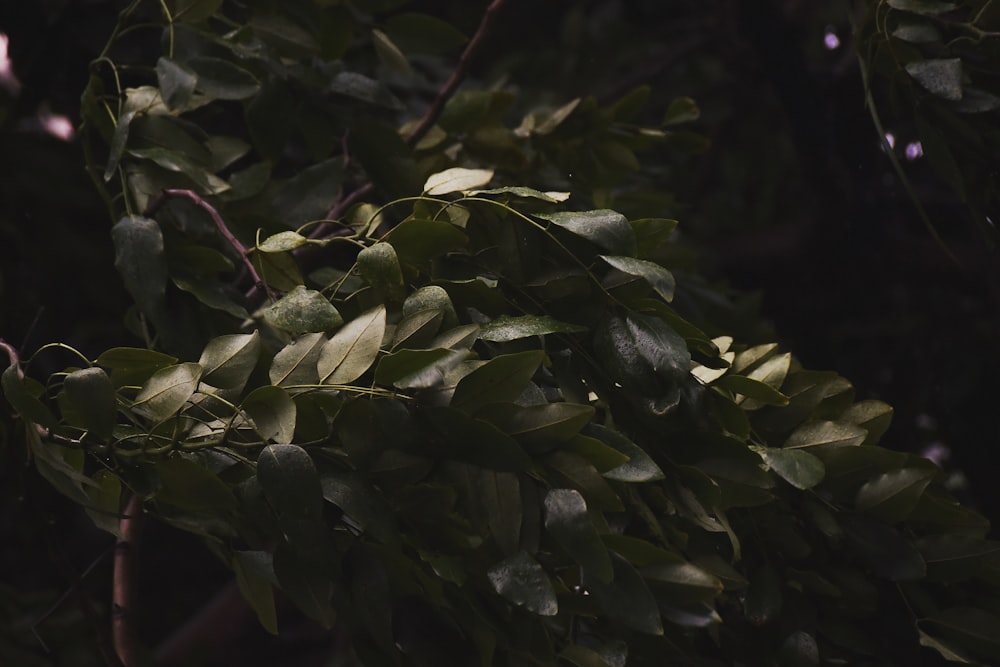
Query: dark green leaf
pixel 476 441
pixel 567 521
pixel 363 89
pixel 222 79
pixel 273 413
pixel 104 508
pixel 27 404
pixel 417 329
pixel 227 361
pixel 640 467
pixel 379 266
pixel 363 504
pixel 887 553
pixel 308 195
pixel 422 33
pixel 303 310
pixel 507 328
pixel 891 496
pixel 816 433
pixel 753 389
pixel 873 416
pixel 953 558
pixel 918 33
pixel 133 365
pixel 417 369
pixel 389 53
pixel 177 82
pixel 607 229
pixel 187 485
pixel 681 110
pixel 256 588
pixel 211 293
pixel 167 390
pixel 626 600
pixel 926 7
pixel 973 629
pixel 352 350
pixel 290 481
pixel 192 11
pixel 501 379
pixel 93 396
pixel 539 427
pixel 684 581
pixel 418 241
pixel 797 467
pixel 306 578
pixel 522 580
pixel 799 650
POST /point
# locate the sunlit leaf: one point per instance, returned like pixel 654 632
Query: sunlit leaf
pixel 273 412
pixel 227 361
pixel 303 310
pixel 796 466
pixel 167 390
pixel 352 350
pixel 607 229
pixel 456 179
pixel 507 328
pixel 522 580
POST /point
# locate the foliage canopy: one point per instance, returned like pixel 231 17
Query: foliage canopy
pixel 415 369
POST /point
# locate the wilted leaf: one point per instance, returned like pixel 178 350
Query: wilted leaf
pixel 522 580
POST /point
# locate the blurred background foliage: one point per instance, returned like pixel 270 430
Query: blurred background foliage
pixel 783 187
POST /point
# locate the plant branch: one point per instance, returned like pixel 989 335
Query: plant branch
pixel 220 224
pixel 15 358
pixel 458 75
pixel 123 588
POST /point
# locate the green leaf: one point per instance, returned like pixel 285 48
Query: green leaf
pixel 816 433
pixel 567 521
pixel 476 441
pixel 295 364
pixel 607 229
pixel 133 365
pixel 119 140
pixel 177 83
pixel 308 195
pixel 273 413
pixel 521 580
pixel 211 293
pixel 682 110
pixel 417 329
pixel 456 179
pixel 524 193
pixel 418 241
pixel 970 628
pixel 918 33
pixel 389 53
pixel 873 416
pixel 891 496
pixel 639 351
pixel 303 310
pixel 952 558
pixel 942 77
pixel 417 369
pixel 353 349
pixel 222 79
pixel 506 328
pixel 15 390
pixel 229 360
pixel 640 467
pixel 61 467
pixel 757 391
pixel 799 650
pixel 684 581
pixel 305 577
pixel 539 427
pixel 499 380
pixel 93 396
pixel 797 467
pixel 583 657
pixel 627 600
pixel 283 242
pixel 495 505
pixel 104 508
pixel 362 503
pixel 167 390
pixel 139 259
pixel 290 481
pixel 925 7
pixel 256 588
pixel 189 486
pixel 379 266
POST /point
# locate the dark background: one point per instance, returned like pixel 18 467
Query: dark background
pixel 794 201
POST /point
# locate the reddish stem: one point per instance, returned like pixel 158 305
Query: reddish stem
pixel 123 586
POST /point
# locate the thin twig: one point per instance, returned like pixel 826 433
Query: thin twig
pixel 458 75
pixel 123 588
pixel 220 224
pixel 437 106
